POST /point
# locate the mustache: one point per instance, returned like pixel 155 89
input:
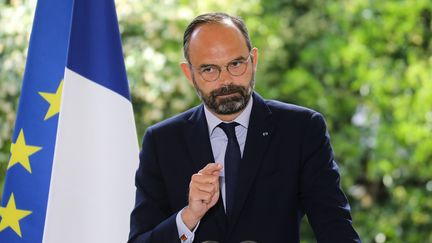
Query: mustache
pixel 229 89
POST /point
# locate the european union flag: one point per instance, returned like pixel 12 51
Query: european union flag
pixel 74 150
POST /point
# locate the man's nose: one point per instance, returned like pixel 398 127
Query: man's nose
pixel 225 77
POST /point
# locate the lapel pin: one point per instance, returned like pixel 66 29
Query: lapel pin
pixel 265 134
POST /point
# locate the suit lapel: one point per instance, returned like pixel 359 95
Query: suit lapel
pixel 198 140
pixel 257 140
pixel 198 143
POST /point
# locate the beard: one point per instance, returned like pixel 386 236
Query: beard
pixel 236 100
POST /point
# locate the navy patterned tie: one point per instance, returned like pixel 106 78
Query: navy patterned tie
pixel 232 164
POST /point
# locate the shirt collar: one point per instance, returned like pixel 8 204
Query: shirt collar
pixel 242 119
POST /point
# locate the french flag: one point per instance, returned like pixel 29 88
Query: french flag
pixel 74 151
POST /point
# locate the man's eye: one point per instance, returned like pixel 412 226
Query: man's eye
pixel 236 64
pixel 208 69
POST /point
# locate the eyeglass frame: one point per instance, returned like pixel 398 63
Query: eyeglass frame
pixel 219 68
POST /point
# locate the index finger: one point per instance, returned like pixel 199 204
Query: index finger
pixel 210 169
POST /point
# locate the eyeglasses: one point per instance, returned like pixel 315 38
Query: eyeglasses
pixel 211 72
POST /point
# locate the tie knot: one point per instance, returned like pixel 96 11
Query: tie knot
pixel 229 128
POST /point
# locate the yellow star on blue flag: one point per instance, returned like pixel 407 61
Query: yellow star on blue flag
pixel 11 216
pixel 54 99
pixel 20 152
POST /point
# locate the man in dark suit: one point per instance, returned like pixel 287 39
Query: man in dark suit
pixel 237 167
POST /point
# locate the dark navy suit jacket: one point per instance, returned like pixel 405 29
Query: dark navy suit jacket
pixel 287 170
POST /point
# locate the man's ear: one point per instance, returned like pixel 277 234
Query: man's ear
pixel 255 57
pixel 187 71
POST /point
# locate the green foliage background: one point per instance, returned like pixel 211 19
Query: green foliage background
pixel 366 65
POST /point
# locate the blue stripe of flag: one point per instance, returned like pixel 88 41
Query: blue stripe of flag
pixel 96 44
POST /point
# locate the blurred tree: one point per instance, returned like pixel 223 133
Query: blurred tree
pixel 366 65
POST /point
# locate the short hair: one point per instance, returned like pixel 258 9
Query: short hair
pixel 211 18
